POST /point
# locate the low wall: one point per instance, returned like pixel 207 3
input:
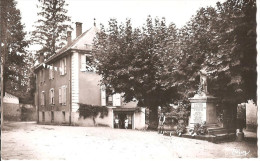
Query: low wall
pixel 105 121
pixel 19 112
pixel 12 112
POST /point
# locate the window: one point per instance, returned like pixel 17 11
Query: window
pixel 42 76
pixel 85 63
pixel 51 96
pixel 43 98
pixel 109 100
pixel 63 66
pixel 63 95
pixel 117 99
pixel 51 72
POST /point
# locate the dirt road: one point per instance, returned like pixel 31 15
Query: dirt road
pixel 23 140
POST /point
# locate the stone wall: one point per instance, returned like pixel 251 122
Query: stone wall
pixel 19 112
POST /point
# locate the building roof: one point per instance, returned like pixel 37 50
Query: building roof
pixel 8 98
pixel 84 42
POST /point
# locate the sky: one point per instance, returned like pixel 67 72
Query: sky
pixel 178 12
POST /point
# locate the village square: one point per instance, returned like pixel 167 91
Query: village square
pixel 124 90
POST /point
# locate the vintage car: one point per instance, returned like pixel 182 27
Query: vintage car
pixel 170 125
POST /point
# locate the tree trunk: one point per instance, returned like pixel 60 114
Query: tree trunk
pixel 153 118
pixel 3 49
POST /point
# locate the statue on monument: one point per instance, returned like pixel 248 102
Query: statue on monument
pixel 204 82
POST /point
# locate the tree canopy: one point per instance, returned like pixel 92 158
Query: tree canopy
pixel 130 61
pixel 50 31
pixel 158 64
pixel 16 59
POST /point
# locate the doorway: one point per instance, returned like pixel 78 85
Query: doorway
pixel 122 117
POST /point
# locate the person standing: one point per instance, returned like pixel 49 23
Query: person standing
pixel 126 123
pixel 161 122
pixel 117 122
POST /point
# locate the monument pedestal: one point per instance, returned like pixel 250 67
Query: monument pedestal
pixel 203 110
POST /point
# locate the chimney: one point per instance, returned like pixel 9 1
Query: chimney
pixel 78 28
pixel 68 37
pixel 41 58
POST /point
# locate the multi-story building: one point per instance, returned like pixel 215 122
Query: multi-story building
pixel 63 82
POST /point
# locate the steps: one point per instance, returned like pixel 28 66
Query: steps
pixel 217 130
pixel 218 138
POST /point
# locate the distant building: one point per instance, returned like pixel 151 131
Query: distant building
pixel 63 82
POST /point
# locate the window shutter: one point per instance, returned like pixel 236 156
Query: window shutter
pixel 65 94
pixel 53 98
pixel 60 95
pixel 52 71
pixel 65 66
pixel 61 67
pixel 41 99
pixel 103 95
pixel 116 99
pixel 43 94
pixel 83 62
pixel 43 75
pixel 50 96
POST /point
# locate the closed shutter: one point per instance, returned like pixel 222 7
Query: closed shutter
pixel 43 95
pixel 41 99
pixel 116 99
pixel 60 94
pixel 65 66
pixel 83 62
pixel 50 96
pixel 103 95
pixel 53 98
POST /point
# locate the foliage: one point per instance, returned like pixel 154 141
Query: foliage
pixel 222 40
pixel 92 111
pixel 27 114
pixel 130 62
pixel 17 66
pixel 198 129
pixel 181 128
pixel 159 64
pixel 182 112
pixel 50 31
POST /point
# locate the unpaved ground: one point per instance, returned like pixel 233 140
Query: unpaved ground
pixel 31 141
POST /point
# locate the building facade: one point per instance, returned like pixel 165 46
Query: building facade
pixel 63 82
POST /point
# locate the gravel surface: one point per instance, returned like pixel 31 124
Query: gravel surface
pixel 27 140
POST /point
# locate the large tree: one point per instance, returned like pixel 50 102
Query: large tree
pixel 129 61
pixel 13 50
pixel 156 62
pixel 50 31
pixel 221 40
